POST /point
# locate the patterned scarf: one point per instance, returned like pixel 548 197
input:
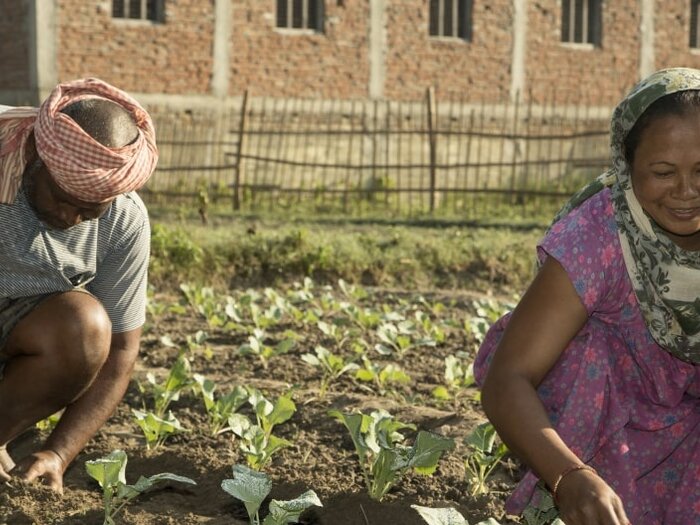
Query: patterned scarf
pixel 666 278
pixel 80 165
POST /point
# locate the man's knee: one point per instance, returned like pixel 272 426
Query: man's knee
pixel 70 328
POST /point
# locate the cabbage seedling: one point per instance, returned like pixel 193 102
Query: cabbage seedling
pixel 383 377
pixel 110 473
pixel 446 516
pixel 457 375
pixel 253 487
pixel 332 366
pixel 257 442
pixel 219 409
pixel 382 457
pixel 484 457
pixel 155 429
pixel 179 379
pixel 256 346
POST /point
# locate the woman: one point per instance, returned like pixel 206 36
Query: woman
pixel 594 379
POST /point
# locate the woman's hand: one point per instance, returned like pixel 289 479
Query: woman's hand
pixel 44 464
pixel 584 498
pixel 6 465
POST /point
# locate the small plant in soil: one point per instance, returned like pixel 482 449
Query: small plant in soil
pixel 332 366
pixel 383 377
pixel 253 487
pixel 256 346
pixel 382 457
pixel 110 473
pixel 256 441
pixel 179 379
pixel 446 516
pixel 458 375
pixel 156 429
pixel 484 457
pixel 219 409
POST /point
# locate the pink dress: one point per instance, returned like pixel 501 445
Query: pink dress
pixel 620 402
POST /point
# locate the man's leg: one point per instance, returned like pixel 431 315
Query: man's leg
pixel 55 352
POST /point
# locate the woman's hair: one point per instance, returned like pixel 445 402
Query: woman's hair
pixel 678 103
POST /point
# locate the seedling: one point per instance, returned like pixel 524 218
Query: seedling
pixel 256 346
pixel 383 377
pixel 156 429
pixel 446 516
pixel 110 473
pixel 253 487
pixel 458 375
pixel 257 442
pixel 382 457
pixel 204 302
pixel 398 339
pixel 219 409
pixel 179 379
pixel 545 512
pixel 332 366
pixel 484 457
pixel 49 423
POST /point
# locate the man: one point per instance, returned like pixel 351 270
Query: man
pixel 74 246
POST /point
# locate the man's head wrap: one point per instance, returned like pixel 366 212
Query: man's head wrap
pixel 80 165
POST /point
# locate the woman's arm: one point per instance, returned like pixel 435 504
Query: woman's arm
pixel 549 315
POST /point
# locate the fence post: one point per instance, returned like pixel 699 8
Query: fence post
pixel 432 142
pixel 239 154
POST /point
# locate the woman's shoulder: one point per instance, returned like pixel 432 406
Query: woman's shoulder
pixel 593 220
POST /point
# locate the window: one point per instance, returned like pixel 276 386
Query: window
pixel 581 21
pixel 451 18
pixel 694 23
pixel 300 14
pixel 153 10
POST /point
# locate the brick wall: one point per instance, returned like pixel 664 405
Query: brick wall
pixel 171 58
pixel 14 51
pixel 472 71
pixel 284 63
pixel 581 74
pixel 673 35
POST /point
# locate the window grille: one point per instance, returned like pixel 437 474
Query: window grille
pixel 451 18
pixel 694 23
pixel 153 10
pixel 581 21
pixel 300 14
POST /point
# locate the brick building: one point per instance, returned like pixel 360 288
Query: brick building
pixel 186 52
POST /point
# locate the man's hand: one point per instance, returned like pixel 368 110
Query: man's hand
pixel 585 499
pixel 43 464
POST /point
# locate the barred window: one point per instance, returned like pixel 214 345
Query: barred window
pixel 581 21
pixel 451 18
pixel 300 14
pixel 694 23
pixel 153 10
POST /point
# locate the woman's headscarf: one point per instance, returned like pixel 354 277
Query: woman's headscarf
pixel 80 165
pixel 666 278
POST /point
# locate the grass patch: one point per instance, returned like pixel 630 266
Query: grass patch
pixel 239 251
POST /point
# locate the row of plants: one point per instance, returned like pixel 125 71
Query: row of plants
pixel 351 340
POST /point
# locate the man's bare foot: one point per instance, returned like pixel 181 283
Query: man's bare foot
pixel 6 462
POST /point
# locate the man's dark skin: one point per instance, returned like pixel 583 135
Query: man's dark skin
pixel 63 354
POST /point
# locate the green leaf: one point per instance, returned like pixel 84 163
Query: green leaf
pixel 482 437
pixel 441 393
pixel 446 516
pixel 248 486
pixel 356 424
pixel 427 450
pixel 143 484
pixel 282 410
pixel 284 512
pixel 110 470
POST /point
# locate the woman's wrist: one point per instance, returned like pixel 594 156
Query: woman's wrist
pixel 576 467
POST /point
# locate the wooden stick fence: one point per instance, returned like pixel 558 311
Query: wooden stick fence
pixel 383 157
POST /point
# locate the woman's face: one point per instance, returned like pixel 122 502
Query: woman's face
pixel 666 176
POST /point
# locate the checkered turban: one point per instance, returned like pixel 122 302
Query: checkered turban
pixel 81 166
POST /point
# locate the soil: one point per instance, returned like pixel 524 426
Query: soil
pixel 322 457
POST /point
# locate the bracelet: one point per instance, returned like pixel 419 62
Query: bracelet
pixel 568 470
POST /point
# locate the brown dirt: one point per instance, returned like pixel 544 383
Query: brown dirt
pixel 322 458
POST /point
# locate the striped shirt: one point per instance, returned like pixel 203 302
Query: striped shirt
pixel 109 256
